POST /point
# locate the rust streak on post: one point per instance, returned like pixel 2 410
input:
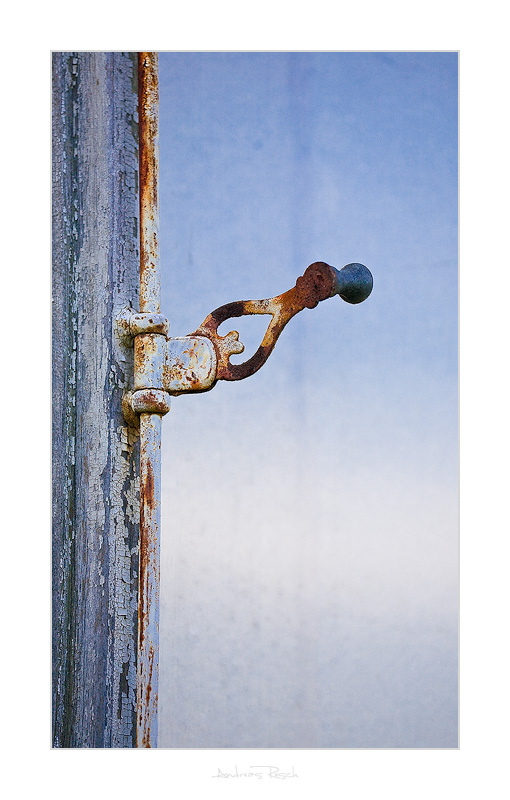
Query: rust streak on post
pixel 148 608
pixel 150 423
pixel 148 116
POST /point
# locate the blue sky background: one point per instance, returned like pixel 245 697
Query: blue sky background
pixel 309 546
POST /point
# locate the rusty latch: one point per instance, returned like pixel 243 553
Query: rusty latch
pixel 194 363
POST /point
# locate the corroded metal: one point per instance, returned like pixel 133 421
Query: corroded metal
pixel 148 132
pixel 95 454
pixel 148 372
pixel 130 323
pixel 149 361
pixel 150 401
pixel 190 365
pixel 196 362
pixel 353 283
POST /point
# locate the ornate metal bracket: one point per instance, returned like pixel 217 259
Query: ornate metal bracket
pixel 353 283
pixel 194 363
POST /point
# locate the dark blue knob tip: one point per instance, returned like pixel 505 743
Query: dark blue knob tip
pixel 354 283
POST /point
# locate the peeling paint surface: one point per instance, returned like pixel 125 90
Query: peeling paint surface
pixel 95 458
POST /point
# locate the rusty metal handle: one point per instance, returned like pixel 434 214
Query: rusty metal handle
pixel 353 283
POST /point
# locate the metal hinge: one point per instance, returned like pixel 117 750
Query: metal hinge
pixel 172 366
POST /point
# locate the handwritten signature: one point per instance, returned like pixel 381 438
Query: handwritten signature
pixel 259 772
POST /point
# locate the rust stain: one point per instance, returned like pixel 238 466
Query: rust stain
pixel 148 100
pixel 145 709
pixel 151 401
pixel 150 698
pixel 148 688
pixel 147 401
pixel 317 283
pixel 148 96
pixel 146 502
pixel 148 486
pixel 192 368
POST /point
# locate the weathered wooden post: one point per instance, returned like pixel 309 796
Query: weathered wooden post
pixel 95 453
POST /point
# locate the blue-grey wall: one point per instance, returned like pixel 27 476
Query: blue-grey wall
pixel 309 550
